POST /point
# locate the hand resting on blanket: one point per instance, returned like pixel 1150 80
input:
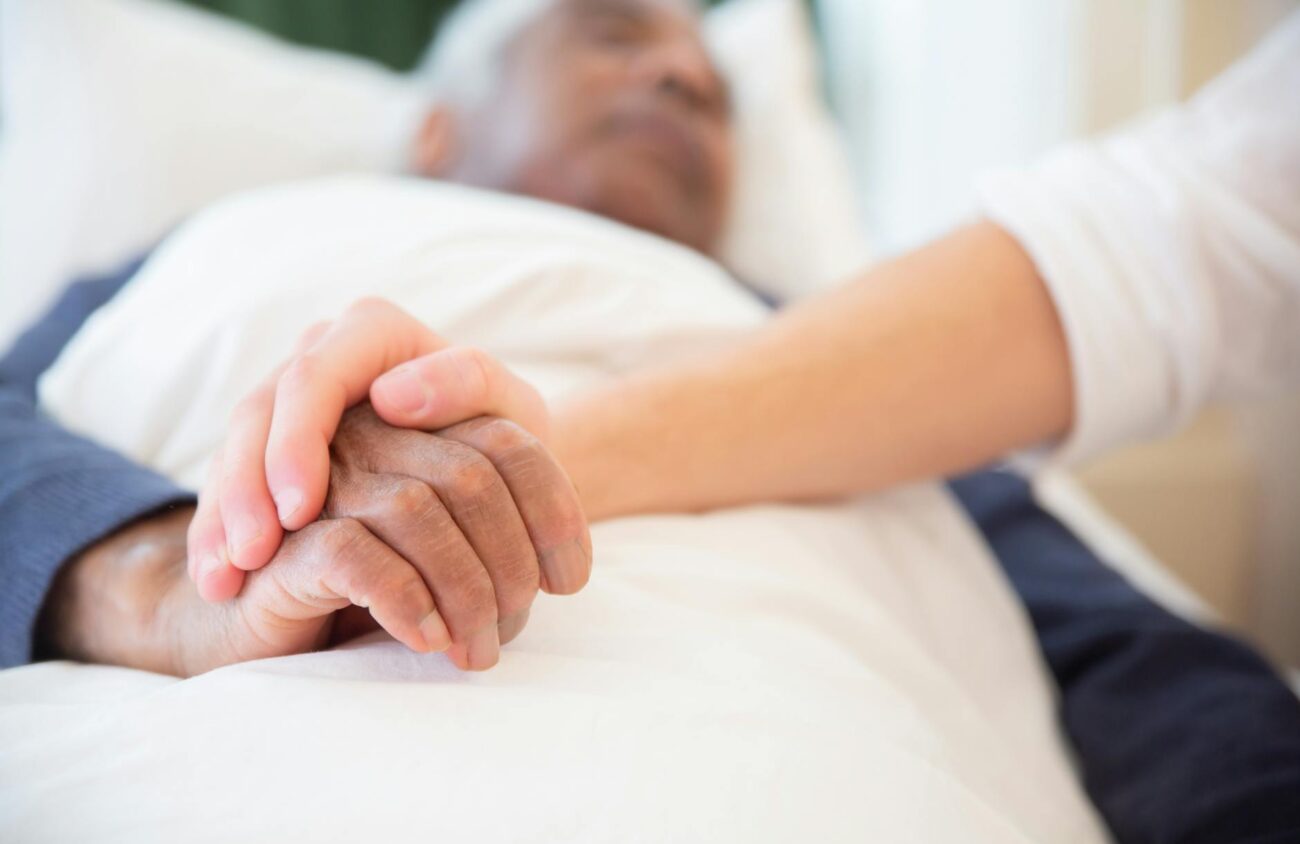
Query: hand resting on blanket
pixel 487 510
pixel 385 542
pixel 444 537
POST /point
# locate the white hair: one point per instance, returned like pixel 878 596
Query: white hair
pixel 463 63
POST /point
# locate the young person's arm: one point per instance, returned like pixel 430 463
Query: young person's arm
pixel 933 363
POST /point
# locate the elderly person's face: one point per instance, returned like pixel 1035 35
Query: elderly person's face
pixel 612 106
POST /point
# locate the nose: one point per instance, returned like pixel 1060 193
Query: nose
pixel 680 71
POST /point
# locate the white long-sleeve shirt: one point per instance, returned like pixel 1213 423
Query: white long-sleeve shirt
pixel 1172 251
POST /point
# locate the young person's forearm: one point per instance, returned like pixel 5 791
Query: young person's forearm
pixel 930 364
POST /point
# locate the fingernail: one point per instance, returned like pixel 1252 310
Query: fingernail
pixel 243 532
pixel 287 502
pixel 406 390
pixel 434 631
pixel 509 628
pixel 484 648
pixel 565 567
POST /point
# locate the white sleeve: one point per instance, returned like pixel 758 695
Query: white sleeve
pixel 1172 251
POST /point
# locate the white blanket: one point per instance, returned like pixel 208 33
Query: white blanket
pixel 857 672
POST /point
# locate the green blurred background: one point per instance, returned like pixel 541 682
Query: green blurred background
pixel 394 32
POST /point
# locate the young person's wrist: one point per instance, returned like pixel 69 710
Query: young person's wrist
pixel 625 446
pixel 590 438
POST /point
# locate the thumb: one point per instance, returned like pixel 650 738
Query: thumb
pixel 453 385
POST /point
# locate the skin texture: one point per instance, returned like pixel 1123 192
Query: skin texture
pixel 633 125
pixel 409 520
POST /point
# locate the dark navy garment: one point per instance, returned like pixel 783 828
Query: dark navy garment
pixel 39 346
pixel 1183 735
pixel 59 492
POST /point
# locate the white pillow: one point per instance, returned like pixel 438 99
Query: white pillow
pixel 123 117
pixel 796 223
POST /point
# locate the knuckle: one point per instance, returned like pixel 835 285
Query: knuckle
pixel 473 600
pixel 406 591
pixel 530 472
pixel 473 477
pixel 412 500
pixel 299 374
pixel 339 540
pixel 518 588
pixel 234 472
pixel 475 369
pixel 505 438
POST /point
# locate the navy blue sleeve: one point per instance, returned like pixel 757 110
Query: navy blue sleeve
pixel 39 346
pixel 1184 735
pixel 59 493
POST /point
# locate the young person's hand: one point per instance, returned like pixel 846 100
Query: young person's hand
pixel 275 467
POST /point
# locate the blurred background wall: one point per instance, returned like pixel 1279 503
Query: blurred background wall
pixel 932 92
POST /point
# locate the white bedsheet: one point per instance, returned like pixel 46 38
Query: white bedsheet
pixel 856 672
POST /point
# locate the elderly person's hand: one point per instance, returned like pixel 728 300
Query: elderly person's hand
pixel 408 522
pixel 482 489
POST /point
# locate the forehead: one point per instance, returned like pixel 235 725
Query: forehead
pixel 683 14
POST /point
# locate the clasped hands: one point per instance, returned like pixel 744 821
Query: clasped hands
pixel 378 478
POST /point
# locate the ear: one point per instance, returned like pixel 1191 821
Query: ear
pixel 434 150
